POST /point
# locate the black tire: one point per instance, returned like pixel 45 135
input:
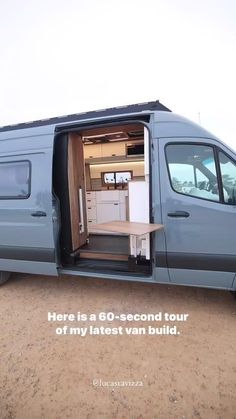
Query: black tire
pixel 4 276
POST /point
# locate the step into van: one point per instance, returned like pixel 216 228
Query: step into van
pixel 66 183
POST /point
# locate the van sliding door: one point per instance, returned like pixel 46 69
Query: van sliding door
pixel 26 213
pixel 77 192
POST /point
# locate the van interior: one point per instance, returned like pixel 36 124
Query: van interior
pixel 101 175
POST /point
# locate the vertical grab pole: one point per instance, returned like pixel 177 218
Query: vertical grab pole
pixel 146 172
pixel 146 154
pixel 81 209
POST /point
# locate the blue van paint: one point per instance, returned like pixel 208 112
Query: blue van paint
pixel 198 251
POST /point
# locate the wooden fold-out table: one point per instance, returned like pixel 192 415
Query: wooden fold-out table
pixel 133 229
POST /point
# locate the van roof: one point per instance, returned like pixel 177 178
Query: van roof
pixel 119 110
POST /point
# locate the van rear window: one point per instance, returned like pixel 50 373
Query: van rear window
pixel 15 180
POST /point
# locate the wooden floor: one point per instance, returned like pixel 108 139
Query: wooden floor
pixel 107 247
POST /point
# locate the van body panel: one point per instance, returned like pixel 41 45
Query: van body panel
pixel 104 275
pixel 161 275
pixel 29 137
pixel 201 278
pixel 169 124
pixel 29 267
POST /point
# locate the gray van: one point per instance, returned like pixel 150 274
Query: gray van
pixel 74 191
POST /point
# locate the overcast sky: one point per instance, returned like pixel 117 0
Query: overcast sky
pixel 65 56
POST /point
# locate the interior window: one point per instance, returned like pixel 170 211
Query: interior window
pixel 228 174
pixel 192 170
pixel 14 180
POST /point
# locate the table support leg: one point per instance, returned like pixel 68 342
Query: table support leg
pixel 133 245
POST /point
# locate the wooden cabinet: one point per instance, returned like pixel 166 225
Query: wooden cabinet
pixel 93 151
pixel 113 149
pixel 91 195
pixel 108 211
pixel 97 151
pixel 108 196
pixel 91 209
pixel 104 206
pixel 122 212
pixel 91 212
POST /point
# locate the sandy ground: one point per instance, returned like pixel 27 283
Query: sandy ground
pixel 44 375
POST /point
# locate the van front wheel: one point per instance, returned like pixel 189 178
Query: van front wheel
pixel 4 276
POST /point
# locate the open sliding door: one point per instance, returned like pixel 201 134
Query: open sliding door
pixel 27 240
pixel 77 191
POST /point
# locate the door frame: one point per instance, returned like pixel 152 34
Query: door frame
pixel 63 130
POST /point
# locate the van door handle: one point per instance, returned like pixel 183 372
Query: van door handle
pixel 39 214
pixel 179 214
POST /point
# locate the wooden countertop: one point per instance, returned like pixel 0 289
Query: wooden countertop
pixel 128 227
